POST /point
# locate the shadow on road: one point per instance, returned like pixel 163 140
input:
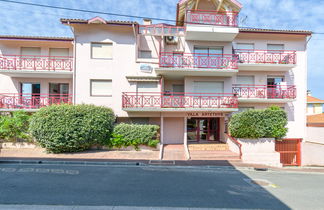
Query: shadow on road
pixel 117 185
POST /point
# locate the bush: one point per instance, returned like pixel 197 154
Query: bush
pixel 266 123
pixel 125 135
pixel 72 128
pixel 14 126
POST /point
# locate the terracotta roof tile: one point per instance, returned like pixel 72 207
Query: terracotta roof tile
pixel 84 21
pixel 261 30
pixel 317 118
pixel 311 99
pixel 45 38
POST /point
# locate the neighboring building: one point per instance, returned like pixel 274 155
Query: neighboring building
pixel 188 78
pixel 314 105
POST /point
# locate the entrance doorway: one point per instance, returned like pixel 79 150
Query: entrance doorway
pixel 203 129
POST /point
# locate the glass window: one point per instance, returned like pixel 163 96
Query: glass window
pixel 101 50
pixel 145 54
pixel 208 87
pixel 100 87
pixel 209 50
pixel 59 88
pixel 59 52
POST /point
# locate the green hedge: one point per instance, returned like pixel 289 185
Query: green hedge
pixel 14 126
pixel 134 135
pixel 266 123
pixel 72 128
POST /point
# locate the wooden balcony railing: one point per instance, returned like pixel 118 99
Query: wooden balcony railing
pixel 265 91
pixel 178 100
pixel 206 17
pixel 266 56
pixel 36 63
pixel 198 60
pixel 32 101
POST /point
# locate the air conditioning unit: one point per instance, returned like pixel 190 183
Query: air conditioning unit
pixel 171 39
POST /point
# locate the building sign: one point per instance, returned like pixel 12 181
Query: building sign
pixel 146 68
pixel 205 114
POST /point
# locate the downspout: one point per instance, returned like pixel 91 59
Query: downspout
pixel 74 66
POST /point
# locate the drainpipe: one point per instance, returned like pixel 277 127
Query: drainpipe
pixel 74 65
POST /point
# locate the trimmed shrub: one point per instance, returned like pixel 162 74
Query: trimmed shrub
pixel 14 126
pixel 125 135
pixel 72 128
pixel 266 123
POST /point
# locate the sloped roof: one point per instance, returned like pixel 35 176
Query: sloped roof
pixel 44 38
pixel 96 20
pixel 311 99
pixel 315 119
pixel 261 30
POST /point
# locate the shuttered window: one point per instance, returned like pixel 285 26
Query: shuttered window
pixel 208 87
pixel 101 50
pixel 147 87
pixel 245 80
pixel 101 87
pixel 30 51
pixel 59 51
pixel 245 46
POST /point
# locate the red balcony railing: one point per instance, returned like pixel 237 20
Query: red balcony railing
pixel 32 101
pixel 31 62
pixel 266 56
pixel 212 18
pixel 162 30
pixel 265 91
pixel 178 100
pixel 198 60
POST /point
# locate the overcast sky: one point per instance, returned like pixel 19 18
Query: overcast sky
pixel 276 14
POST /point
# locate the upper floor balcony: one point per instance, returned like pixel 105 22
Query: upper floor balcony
pixel 267 60
pixel 36 66
pixel 162 30
pixel 265 93
pixel 171 101
pixel 209 25
pixel 13 101
pixel 197 64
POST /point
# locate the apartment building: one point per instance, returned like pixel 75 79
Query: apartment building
pixel 189 78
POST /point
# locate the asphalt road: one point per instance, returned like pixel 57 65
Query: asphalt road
pixel 152 186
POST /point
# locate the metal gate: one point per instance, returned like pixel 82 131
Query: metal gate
pixel 290 151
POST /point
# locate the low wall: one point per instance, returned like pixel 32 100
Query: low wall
pixel 315 134
pixel 312 154
pixel 260 151
pixel 17 145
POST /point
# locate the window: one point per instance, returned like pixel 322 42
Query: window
pixel 145 54
pixel 101 50
pixel 59 52
pixel 210 51
pixel 100 87
pixel 140 120
pixel 208 87
pixel 245 80
pixel 245 46
pixel 30 51
pixel 58 88
pixel 275 47
pixel 147 86
pixel 242 109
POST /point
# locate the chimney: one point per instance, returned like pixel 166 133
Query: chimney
pixel 147 21
pixel 309 93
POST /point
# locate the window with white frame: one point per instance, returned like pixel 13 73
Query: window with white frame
pixel 147 87
pixel 145 54
pixel 245 46
pixel 30 51
pixel 59 52
pixel 101 50
pixel 275 47
pixel 100 87
pixel 245 80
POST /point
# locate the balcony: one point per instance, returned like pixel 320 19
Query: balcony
pixel 161 30
pixel 179 102
pixel 197 64
pixel 13 101
pixel 268 60
pixel 211 25
pixel 265 93
pixel 36 66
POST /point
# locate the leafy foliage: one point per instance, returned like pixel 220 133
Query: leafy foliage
pixel 72 128
pixel 14 126
pixel 125 135
pixel 266 123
